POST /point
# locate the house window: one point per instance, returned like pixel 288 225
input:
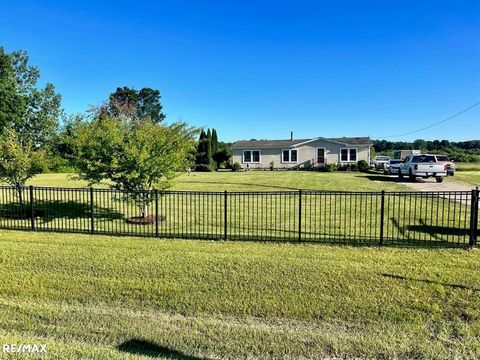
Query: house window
pixel 289 155
pixel 348 155
pixel 251 156
pixel 353 154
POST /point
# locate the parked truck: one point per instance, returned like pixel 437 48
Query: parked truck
pixel 423 166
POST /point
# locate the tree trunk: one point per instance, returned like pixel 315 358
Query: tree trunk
pixel 20 197
pixel 144 211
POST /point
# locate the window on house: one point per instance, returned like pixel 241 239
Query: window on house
pixel 353 154
pixel 348 155
pixel 289 155
pixel 293 155
pixel 251 156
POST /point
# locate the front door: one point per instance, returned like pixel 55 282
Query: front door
pixel 320 157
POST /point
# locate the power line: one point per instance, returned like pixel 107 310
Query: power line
pixel 434 124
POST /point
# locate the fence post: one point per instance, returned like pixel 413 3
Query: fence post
pixel 92 218
pixel 300 215
pixel 32 215
pixel 473 217
pixel 225 228
pixel 382 216
pixel 156 213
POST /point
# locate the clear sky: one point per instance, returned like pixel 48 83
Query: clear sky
pixel 259 69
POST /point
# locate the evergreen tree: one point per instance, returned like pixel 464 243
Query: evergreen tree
pixel 209 147
pixel 201 159
pixel 214 142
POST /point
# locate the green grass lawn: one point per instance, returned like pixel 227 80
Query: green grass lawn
pixel 331 218
pixel 470 177
pixel 253 181
pixel 114 298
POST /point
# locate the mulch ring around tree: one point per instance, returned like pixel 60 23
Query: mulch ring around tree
pixel 25 214
pixel 145 220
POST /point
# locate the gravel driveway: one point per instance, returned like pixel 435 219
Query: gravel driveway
pixel 431 185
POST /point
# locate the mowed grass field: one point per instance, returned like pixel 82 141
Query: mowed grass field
pixel 274 216
pixel 253 181
pixel 468 173
pixel 269 181
pixel 98 297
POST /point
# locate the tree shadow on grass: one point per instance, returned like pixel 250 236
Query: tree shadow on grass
pixel 148 348
pixel 384 178
pixel 434 232
pixel 244 184
pixel 427 281
pixel 49 210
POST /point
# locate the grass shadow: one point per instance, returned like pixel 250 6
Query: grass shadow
pixel 244 184
pixel 56 209
pixel 427 281
pixel 383 178
pixel 148 348
pixel 434 232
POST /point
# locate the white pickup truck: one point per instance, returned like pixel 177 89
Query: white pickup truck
pixel 424 166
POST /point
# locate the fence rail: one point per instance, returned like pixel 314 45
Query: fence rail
pixel 406 218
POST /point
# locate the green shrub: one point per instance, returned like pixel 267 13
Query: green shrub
pixel 203 168
pixel 331 167
pixel 236 167
pixel 363 166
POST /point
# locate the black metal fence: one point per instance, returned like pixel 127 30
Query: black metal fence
pixel 406 218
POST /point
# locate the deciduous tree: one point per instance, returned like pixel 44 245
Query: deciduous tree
pixel 133 157
pixel 19 161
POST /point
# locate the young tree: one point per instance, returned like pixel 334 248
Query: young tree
pixel 19 161
pixel 133 157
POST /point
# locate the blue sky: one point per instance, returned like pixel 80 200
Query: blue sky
pixel 259 69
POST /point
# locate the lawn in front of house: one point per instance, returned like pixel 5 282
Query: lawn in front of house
pixel 261 216
pixel 254 181
pixel 113 297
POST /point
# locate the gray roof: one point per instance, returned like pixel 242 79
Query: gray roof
pixel 266 143
pixel 261 144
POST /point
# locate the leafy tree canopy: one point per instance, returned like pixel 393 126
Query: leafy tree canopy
pixel 133 158
pixel 32 112
pixel 141 104
pixel 19 161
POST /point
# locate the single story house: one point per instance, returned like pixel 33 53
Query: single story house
pixel 301 153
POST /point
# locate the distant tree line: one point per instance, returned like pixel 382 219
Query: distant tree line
pixel 462 151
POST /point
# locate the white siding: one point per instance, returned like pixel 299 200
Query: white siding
pixel 306 155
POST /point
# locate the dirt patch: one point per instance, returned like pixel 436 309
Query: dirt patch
pixel 145 220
